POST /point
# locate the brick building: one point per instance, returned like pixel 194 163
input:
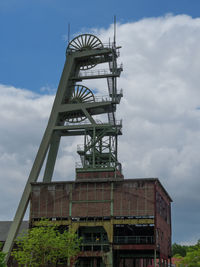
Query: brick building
pixel 124 222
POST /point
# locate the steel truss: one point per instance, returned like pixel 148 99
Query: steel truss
pixel 73 114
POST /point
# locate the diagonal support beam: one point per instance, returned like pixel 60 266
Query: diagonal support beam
pixel 40 157
pixel 52 155
pixel 88 115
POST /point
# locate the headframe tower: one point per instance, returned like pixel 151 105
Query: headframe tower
pixel 74 113
pixel 122 222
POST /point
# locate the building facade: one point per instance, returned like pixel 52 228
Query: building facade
pixel 124 222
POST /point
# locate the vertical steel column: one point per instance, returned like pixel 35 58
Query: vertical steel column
pixel 160 262
pixel 170 260
pixel 155 256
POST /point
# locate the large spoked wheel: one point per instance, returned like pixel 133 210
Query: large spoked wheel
pixel 80 94
pixel 85 42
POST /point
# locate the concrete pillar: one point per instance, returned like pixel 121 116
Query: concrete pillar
pixel 108 258
pixel 155 256
pixel 160 262
pixel 95 262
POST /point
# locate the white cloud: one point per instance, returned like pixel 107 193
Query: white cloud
pixel 161 119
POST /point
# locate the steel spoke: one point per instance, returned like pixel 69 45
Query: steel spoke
pixel 86 94
pixel 85 40
pixel 83 92
pixel 92 39
pixel 89 40
pixel 79 42
pixel 73 46
pixel 87 97
pixel 97 45
pixel 80 91
pixel 82 40
pixel 77 91
pixel 95 41
pixel 79 46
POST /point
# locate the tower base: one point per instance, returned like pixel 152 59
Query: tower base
pixel 92 174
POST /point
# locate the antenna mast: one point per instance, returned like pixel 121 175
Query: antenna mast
pixel 68 33
pixel 114 30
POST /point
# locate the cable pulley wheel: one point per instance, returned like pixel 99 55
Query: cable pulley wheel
pixel 80 94
pixel 85 42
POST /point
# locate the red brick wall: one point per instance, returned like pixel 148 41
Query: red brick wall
pixel 131 198
pixel 163 221
pixel 134 198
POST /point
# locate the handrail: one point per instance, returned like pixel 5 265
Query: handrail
pixel 79 164
pixel 102 98
pixel 99 72
pixel 106 98
pixel 94 240
pixel 87 122
pixel 134 239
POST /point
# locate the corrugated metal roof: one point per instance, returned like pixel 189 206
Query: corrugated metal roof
pixel 5 226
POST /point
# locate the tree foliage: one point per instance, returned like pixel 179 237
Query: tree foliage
pixel 179 250
pixel 2 257
pixel 192 257
pixel 45 244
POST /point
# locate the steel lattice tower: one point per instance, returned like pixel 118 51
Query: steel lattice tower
pixel 73 113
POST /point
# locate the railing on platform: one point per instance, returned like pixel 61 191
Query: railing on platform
pixel 118 123
pixel 134 239
pixel 94 240
pixel 99 72
pixel 115 165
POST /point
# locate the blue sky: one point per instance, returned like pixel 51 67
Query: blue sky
pixel 161 121
pixel 32 46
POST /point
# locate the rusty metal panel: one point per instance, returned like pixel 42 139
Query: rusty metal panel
pixel 133 199
pixel 163 221
pixel 130 198
pixel 90 209
pixel 42 202
pixel 50 201
pixel 91 200
pixel 61 205
pixel 35 197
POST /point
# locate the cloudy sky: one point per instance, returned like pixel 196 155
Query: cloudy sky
pixel 160 108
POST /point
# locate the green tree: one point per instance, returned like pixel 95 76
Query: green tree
pixel 44 244
pixel 179 250
pixel 192 258
pixel 2 257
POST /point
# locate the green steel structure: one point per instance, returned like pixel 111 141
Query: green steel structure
pixel 76 111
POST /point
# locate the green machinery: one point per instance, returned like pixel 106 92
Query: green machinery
pixel 77 110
